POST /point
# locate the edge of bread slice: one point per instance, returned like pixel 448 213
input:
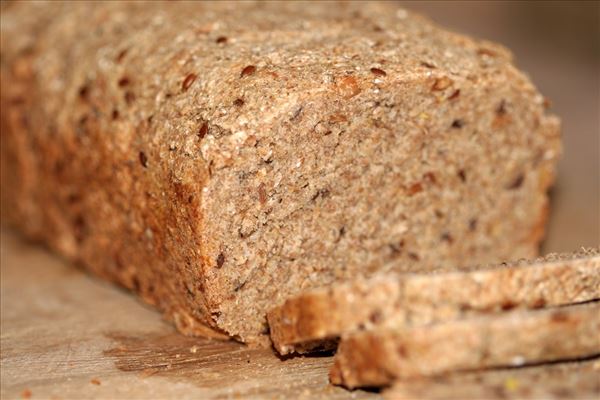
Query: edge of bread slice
pixel 568 380
pixel 313 320
pixel 514 338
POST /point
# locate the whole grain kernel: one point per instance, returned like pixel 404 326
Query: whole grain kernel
pixel 415 188
pixel 115 114
pixel 238 102
pixel 188 81
pixel 203 130
pixel 121 55
pixel 539 303
pixel 124 81
pixel 454 95
pixel 457 123
pixel 486 52
pixel 508 305
pixel 472 224
pixel 143 159
pixel 129 97
pixel 220 260
pixel 501 109
pixel 221 39
pixel 248 70
pixel 462 175
pixel 84 92
pixel 414 256
pixel 516 183
pixel 447 237
pixel 262 194
pixel 429 177
pixel 441 83
pixel 348 86
pixel 378 72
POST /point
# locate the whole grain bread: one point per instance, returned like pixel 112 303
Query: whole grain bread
pixel 218 157
pixel 515 338
pixel 569 380
pixel 313 320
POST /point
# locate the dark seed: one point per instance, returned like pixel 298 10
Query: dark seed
pixel 378 72
pixel 508 305
pixel 516 183
pixel 143 159
pixel 121 55
pixel 84 92
pixel 248 70
pixel 238 102
pixel 462 175
pixel 187 82
pixel 454 95
pixel 129 97
pixel 124 81
pixel 446 237
pixel 458 123
pixel 472 224
pixel 203 130
pixel 220 260
pixel 501 109
pixel 221 39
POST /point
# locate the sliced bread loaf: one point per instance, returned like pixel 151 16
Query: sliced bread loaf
pixel 219 157
pixel 569 380
pixel 515 338
pixel 315 318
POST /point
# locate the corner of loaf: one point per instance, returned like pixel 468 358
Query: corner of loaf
pixel 218 168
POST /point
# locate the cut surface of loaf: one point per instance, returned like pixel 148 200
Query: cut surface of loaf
pixel 218 157
pixel 302 322
pixel 515 338
pixel 570 380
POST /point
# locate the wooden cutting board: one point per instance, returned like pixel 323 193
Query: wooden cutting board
pixel 66 335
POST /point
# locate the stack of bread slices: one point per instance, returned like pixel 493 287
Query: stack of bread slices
pixel 528 329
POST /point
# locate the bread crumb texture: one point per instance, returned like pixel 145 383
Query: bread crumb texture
pixel 218 157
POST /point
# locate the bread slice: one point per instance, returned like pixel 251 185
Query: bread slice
pixel 570 380
pixel 516 338
pixel 219 157
pixel 313 320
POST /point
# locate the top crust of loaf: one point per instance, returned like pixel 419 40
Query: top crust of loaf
pixel 326 313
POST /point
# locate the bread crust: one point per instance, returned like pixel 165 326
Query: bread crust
pixel 514 338
pixel 415 299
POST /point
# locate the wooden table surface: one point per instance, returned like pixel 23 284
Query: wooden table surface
pixel 66 335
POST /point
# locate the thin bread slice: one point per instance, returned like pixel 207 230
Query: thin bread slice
pixel 312 319
pixel 515 338
pixel 571 380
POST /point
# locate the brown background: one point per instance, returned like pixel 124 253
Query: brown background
pixel 65 335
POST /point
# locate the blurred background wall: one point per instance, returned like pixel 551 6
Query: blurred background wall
pixel 558 44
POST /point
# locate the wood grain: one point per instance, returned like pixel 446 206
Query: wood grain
pixel 65 335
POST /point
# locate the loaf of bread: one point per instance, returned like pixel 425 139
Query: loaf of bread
pixel 316 318
pixel 219 157
pixel 571 380
pixel 516 338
